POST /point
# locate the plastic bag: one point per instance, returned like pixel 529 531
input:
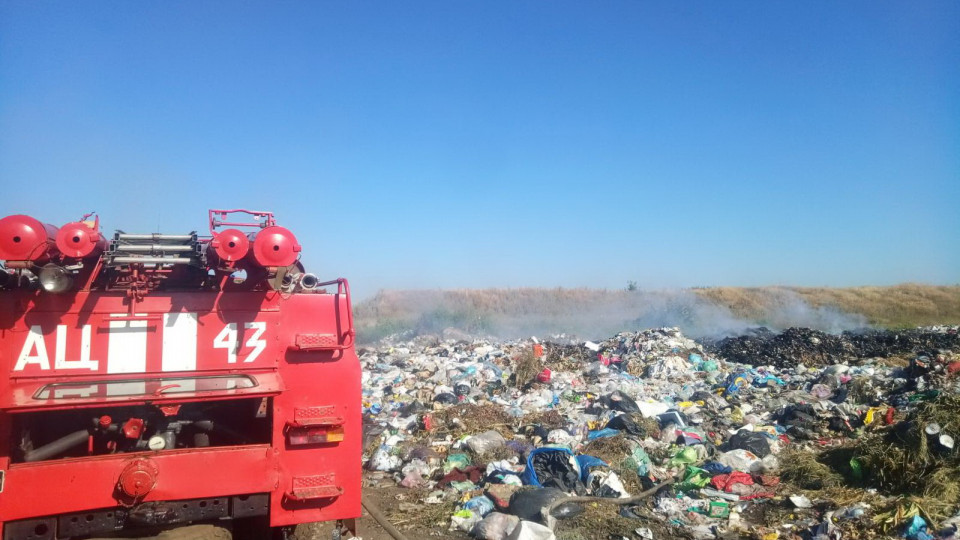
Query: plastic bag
pixel 694 478
pixel 446 398
pixel 757 443
pixel 561 437
pixel 619 401
pixel 601 433
pixel 382 460
pixel 606 484
pixel 559 468
pixel 740 460
pixel 456 461
pixel 495 526
pixel 479 505
pixel 527 530
pixel 632 423
pixel 463 520
pixel 485 442
pixel 685 456
pixel 638 461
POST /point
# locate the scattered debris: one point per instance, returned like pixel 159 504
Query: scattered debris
pixel 797 434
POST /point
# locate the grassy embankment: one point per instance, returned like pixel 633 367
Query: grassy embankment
pixel 898 306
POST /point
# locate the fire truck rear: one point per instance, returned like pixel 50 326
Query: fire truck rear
pixel 154 381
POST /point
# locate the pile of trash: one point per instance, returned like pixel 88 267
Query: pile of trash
pixel 650 434
pixel 763 347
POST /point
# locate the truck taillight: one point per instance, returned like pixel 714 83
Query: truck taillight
pixel 314 435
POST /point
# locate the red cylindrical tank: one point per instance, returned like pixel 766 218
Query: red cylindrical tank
pixel 230 245
pixel 274 246
pixel 23 238
pixel 79 240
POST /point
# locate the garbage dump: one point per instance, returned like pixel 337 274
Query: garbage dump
pixel 798 434
pixel 760 346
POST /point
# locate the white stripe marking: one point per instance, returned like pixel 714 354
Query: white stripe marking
pixel 127 349
pixel 179 342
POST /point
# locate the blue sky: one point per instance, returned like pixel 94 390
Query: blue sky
pixel 475 144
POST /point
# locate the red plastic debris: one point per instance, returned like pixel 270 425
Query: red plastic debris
pixel 767 480
pixel 725 482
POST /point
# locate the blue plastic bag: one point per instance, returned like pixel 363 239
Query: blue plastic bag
pixel 917 529
pixel 582 464
pixel 601 433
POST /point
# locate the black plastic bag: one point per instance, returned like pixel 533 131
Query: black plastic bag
pixel 750 441
pixel 798 415
pixel 414 407
pixel 555 469
pixel 446 398
pixel 628 422
pixel 619 401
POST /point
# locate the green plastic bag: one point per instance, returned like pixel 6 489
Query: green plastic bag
pixel 694 478
pixel 856 468
pixel 685 456
pixel 456 461
pixel 638 461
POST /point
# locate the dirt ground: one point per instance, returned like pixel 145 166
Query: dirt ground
pixel 388 499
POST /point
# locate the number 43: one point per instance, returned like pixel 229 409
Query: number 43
pixel 227 339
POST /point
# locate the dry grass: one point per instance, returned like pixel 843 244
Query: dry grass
pixel 803 469
pixel 896 306
pixel 525 367
pixel 597 521
pixel 599 312
pixel 613 450
pixel 474 419
pixel 550 419
pixel 424 516
pixel 900 461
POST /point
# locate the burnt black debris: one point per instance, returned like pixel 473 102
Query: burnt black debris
pixel 763 347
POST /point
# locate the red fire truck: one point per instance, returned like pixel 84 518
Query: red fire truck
pixel 173 381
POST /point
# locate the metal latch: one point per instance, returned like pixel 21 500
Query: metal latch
pixel 320 486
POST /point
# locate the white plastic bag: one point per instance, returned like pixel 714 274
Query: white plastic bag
pixel 485 442
pixel 496 526
pixel 528 530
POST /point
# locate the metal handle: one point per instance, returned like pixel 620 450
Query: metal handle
pixel 330 342
pixel 343 287
pixel 214 222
